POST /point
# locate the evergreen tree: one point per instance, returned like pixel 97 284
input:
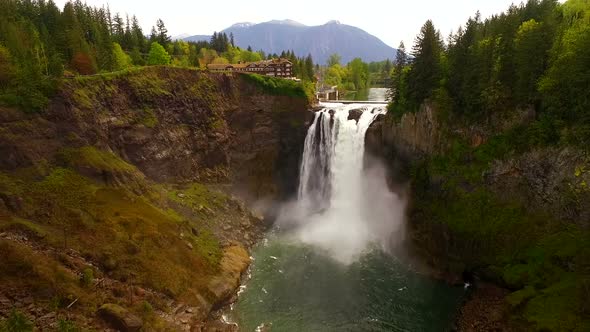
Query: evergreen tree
pixel 162 33
pixel 153 35
pixel 426 71
pixel 401 60
pixel 118 28
pixel 127 42
pixel 309 68
pixel 137 37
pixel 531 47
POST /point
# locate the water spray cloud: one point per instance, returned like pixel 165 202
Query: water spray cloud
pixel 343 204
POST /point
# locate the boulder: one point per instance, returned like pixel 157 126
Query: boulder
pixel 119 318
pixel 355 114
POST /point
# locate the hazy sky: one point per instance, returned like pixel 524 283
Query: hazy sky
pixel 390 20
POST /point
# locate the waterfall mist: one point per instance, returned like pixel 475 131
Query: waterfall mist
pixel 344 204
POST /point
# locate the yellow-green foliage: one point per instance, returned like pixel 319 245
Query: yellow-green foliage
pixel 25 226
pixel 94 158
pixel 133 234
pixel 64 188
pixel 208 246
pixel 281 87
pixel 148 83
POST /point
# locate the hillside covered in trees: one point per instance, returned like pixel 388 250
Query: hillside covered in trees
pixel 494 125
pixel 535 55
pixel 41 43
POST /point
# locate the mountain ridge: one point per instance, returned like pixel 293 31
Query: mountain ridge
pixel 320 41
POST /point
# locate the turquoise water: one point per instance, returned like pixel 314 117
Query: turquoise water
pixel 296 288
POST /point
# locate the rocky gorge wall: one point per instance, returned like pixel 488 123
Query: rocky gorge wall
pixel 484 206
pixel 175 125
pixel 124 203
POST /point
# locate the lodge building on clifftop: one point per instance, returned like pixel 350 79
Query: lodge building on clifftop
pixel 274 67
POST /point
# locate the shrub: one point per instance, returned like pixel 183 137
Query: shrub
pixel 64 325
pixel 16 322
pixel 158 55
pixel 87 277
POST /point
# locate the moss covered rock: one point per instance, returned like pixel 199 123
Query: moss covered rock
pixel 120 318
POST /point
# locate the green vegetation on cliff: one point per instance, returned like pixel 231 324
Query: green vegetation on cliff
pixel 139 239
pixel 282 87
pixel 462 224
pixel 506 93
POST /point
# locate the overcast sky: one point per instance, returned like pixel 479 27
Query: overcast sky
pixel 390 20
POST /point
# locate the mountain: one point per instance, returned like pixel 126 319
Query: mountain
pixel 320 41
pixel 181 36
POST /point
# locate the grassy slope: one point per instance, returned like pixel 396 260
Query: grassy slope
pixel 112 226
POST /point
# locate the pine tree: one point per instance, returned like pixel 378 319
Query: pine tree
pixel 153 35
pixel 127 41
pixel 118 28
pixel 137 35
pixel 309 68
pixel 426 71
pixel 531 47
pixel 401 60
pixel 162 36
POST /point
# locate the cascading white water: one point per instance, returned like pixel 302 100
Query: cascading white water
pixel 338 197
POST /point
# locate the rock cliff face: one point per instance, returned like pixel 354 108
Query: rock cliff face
pixel 415 134
pixel 175 125
pixel 482 205
pixel 543 179
pixel 129 189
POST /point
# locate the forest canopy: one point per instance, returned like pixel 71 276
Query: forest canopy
pixel 533 56
pixel 41 43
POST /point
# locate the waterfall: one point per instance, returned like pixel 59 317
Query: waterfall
pixel 337 196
